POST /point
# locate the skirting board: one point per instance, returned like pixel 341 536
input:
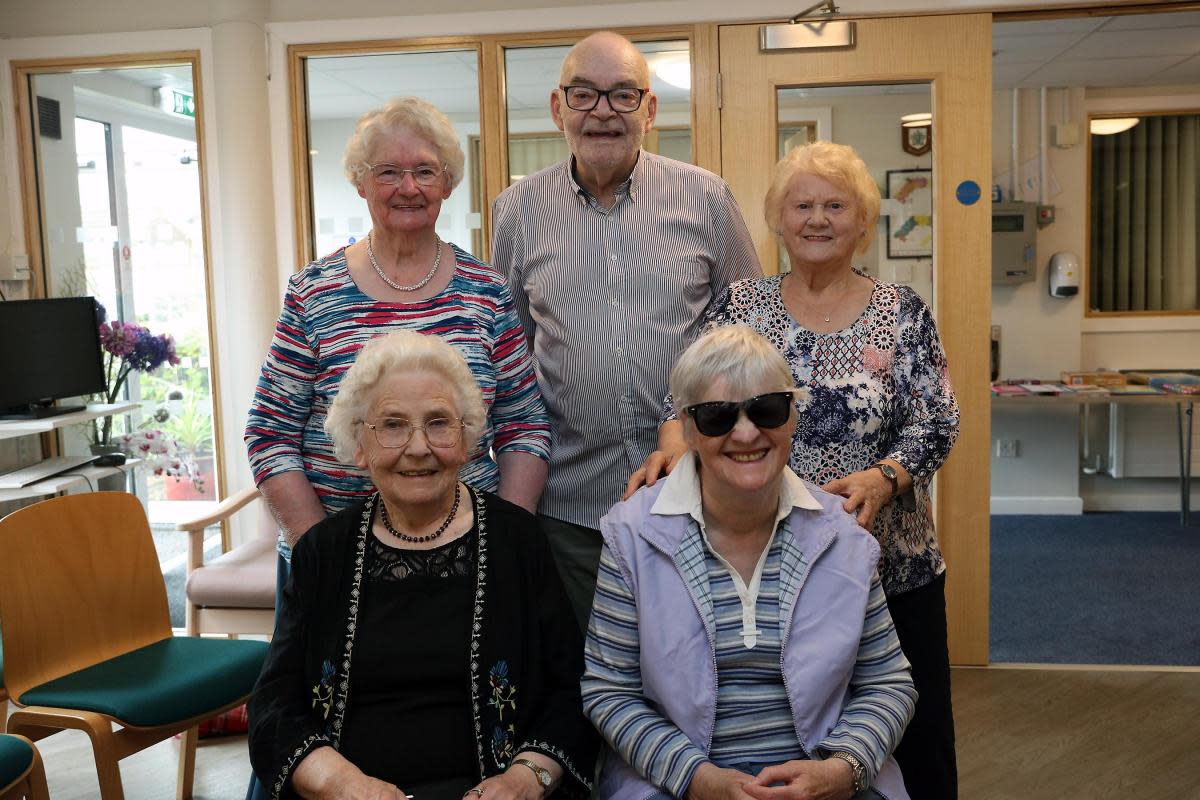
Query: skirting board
pixel 1037 505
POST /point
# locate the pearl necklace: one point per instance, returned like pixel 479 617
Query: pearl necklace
pixel 437 260
pixel 404 537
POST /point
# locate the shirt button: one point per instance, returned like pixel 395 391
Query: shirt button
pixel 618 350
pixel 614 257
pixel 616 302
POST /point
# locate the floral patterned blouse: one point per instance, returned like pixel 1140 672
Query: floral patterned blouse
pixel 877 389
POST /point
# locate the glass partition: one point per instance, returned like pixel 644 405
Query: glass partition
pixel 898 154
pixel 531 73
pixel 343 88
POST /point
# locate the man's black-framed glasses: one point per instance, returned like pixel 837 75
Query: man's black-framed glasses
pixel 623 100
pixel 765 411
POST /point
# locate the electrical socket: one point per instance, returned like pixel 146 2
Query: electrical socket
pixel 1007 448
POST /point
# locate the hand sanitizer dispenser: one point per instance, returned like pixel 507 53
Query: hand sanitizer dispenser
pixel 1064 274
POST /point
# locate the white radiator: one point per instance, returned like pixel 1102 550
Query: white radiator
pixel 1143 441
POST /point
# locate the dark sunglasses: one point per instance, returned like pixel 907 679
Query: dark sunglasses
pixel 765 411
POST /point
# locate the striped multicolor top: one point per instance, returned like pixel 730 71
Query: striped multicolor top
pixel 326 320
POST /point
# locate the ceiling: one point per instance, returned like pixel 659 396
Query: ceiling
pixel 1133 50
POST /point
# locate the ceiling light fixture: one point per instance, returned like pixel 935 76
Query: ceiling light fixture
pixel 675 69
pixel 1107 127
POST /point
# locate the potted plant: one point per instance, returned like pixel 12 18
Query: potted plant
pixel 192 429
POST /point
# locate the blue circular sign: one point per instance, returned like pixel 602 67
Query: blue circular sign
pixel 968 193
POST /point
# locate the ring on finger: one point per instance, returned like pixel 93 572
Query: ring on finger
pixel 474 790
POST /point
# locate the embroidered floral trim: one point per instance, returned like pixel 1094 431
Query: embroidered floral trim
pixel 477 625
pixel 323 691
pixel 300 752
pixel 558 755
pixel 360 550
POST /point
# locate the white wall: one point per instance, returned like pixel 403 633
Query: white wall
pixel 1043 335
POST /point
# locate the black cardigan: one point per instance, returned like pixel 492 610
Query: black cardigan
pixel 526 651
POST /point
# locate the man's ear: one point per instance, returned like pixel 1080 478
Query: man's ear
pixel 651 109
pixel 556 108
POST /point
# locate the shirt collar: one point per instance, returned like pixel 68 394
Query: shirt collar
pixel 681 493
pixel 629 187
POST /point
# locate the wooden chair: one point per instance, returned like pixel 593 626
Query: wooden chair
pixel 87 636
pixel 235 592
pixel 21 772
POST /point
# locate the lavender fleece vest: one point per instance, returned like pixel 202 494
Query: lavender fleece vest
pixel 678 660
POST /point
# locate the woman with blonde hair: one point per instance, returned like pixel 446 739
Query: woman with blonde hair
pixel 881 418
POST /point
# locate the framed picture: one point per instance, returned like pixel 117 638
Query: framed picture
pixel 910 221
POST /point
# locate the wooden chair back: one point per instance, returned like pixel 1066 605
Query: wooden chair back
pixel 79 583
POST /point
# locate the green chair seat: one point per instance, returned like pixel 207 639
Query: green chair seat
pixel 159 684
pixel 15 757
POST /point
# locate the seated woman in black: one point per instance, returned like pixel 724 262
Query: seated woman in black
pixel 425 645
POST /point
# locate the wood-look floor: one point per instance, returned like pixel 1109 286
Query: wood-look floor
pixel 1023 734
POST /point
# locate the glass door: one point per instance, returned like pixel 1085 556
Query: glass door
pixel 935 223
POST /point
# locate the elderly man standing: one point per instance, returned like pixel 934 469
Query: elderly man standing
pixel 612 257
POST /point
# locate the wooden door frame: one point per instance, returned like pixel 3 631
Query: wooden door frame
pixel 952 54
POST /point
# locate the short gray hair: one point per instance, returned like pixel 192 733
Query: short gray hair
pixel 735 354
pixel 402 351
pixel 403 114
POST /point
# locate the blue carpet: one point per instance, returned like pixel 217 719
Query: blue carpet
pixel 1113 588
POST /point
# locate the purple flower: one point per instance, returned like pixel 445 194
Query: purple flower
pixel 120 338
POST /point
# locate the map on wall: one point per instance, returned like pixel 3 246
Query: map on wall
pixel 910 217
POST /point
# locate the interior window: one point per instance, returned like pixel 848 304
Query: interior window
pixel 1145 183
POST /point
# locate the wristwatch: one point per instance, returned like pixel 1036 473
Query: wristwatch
pixel 542 774
pixel 889 472
pixel 856 767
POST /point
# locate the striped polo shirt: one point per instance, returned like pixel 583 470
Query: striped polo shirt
pixel 609 298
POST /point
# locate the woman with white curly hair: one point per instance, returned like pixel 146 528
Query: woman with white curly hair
pixel 424 644
pixel 405 160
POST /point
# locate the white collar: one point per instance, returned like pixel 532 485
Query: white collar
pixel 681 493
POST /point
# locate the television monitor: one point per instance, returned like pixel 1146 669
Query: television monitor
pixel 49 350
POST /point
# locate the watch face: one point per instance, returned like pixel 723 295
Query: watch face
pixel 888 470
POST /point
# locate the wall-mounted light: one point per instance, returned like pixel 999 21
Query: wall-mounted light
pixel 918 120
pixel 1107 127
pixel 675 69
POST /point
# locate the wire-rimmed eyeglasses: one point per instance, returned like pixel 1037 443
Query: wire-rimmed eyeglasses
pixel 397 431
pixel 623 99
pixel 392 174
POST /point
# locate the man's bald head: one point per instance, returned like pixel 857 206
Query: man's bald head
pixel 604 46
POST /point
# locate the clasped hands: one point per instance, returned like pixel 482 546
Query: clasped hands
pixel 831 779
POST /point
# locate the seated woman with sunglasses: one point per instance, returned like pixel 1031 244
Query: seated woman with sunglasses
pixel 425 644
pixel 740 644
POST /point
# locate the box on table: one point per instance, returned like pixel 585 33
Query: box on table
pixel 1082 378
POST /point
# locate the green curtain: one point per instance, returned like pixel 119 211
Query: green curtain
pixel 1144 192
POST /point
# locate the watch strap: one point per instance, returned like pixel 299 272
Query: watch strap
pixel 541 773
pixel 856 769
pixel 889 472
